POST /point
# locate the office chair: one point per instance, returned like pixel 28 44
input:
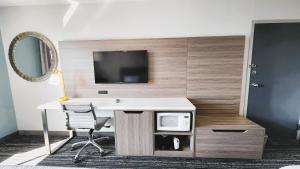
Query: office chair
pixel 84 117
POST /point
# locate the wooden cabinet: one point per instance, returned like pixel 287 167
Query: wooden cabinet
pixel 229 137
pixel 232 143
pixel 134 132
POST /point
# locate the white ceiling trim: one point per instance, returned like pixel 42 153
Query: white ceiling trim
pixel 7 3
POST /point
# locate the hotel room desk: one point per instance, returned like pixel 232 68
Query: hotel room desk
pixel 125 104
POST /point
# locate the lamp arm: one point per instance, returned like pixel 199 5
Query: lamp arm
pixel 62 80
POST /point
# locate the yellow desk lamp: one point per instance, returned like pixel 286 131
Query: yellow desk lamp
pixel 56 79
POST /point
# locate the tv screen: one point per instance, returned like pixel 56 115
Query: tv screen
pixel 121 66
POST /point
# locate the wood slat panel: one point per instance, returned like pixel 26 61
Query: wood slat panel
pixel 214 74
pixel 167 67
pixel 224 122
pixel 228 137
pixel 208 70
pixel 248 145
pixel 134 133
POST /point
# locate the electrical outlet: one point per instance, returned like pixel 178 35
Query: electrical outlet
pixel 102 92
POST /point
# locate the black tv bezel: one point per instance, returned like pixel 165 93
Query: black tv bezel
pixel 122 82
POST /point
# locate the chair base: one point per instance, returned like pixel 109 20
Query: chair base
pixel 85 144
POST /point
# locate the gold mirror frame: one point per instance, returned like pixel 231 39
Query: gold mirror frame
pixel 11 54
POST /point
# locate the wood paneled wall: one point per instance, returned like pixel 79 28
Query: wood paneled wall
pixel 167 67
pixel 207 70
pixel 214 74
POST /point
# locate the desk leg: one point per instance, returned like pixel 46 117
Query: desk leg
pixel 46 136
pixel 46 132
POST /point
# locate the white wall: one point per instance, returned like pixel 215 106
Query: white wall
pixel 126 19
pixel 8 122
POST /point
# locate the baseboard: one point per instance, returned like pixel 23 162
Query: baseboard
pixel 9 136
pixel 61 133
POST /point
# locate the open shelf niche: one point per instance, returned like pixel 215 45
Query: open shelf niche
pixel 164 145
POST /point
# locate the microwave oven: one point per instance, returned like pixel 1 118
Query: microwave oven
pixel 173 121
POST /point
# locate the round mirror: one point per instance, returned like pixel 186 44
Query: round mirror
pixel 32 56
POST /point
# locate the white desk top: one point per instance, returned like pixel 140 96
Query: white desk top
pixel 134 104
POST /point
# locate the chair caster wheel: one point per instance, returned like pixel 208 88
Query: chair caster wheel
pixel 102 154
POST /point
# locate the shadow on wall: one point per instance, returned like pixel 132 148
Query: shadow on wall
pixel 7 113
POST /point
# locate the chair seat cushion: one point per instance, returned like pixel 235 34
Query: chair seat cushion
pixel 100 121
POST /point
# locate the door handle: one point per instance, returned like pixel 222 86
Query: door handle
pixel 133 112
pixel 228 131
pixel 256 85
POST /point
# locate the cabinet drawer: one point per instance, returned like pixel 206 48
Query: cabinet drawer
pixel 235 143
pixel 134 132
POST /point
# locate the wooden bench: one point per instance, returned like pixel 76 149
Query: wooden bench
pixel 228 137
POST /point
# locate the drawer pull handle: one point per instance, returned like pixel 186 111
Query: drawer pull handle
pixel 133 112
pixel 228 131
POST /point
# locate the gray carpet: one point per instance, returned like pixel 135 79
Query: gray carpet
pixel 35 167
pixel 278 153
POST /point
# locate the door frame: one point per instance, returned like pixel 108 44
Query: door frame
pixel 247 69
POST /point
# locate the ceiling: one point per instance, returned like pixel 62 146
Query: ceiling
pixel 4 3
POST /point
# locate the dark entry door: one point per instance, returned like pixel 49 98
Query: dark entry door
pixel 274 93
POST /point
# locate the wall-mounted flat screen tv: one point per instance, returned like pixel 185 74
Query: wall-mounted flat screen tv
pixel 121 66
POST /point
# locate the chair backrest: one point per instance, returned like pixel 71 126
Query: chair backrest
pixel 80 116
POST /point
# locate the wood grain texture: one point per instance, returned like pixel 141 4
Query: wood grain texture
pixel 247 145
pixel 208 70
pixel 134 133
pixel 228 137
pixel 167 67
pixel 225 122
pixel 186 152
pixel 214 74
